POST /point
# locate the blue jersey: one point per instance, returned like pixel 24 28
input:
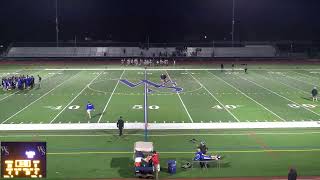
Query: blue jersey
pixel 198 156
pixel 90 106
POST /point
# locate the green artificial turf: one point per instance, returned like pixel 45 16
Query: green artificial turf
pixel 207 96
pixel 267 93
pixel 102 154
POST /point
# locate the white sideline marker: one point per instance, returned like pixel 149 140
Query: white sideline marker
pixel 184 106
pixel 114 89
pixel 215 98
pixel 74 98
pixel 38 98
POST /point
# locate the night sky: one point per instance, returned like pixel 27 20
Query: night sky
pixel 161 20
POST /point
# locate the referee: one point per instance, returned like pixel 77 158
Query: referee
pixel 120 125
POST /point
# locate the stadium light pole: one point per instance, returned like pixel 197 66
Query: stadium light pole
pixel 57 25
pixel 233 21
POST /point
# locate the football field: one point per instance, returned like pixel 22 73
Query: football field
pixel 189 96
pixel 194 97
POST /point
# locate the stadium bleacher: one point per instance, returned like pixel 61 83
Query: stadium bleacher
pixel 247 51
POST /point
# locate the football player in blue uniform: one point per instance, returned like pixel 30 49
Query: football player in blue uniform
pixel 89 108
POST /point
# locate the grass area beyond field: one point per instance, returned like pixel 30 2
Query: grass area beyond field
pixel 102 154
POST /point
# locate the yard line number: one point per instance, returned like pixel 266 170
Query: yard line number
pixel 76 107
pixel 226 106
pixel 139 106
pixel 73 107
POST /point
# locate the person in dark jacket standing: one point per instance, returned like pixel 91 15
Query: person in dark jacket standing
pixel 292 175
pixel 314 94
pixel 120 125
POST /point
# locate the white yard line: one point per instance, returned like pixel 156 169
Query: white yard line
pixel 280 95
pixel 305 74
pixel 114 89
pixel 312 84
pixel 74 98
pixel 286 85
pixel 248 96
pixel 39 98
pixel 184 106
pixel 215 98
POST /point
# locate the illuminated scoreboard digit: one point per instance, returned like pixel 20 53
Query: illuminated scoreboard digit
pixel 23 159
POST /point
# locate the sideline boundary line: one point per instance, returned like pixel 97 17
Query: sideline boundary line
pixel 159 135
pixel 162 126
pixel 136 69
pixel 160 69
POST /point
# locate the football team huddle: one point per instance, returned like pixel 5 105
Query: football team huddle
pixel 18 82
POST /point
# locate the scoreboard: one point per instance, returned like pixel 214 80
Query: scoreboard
pixel 23 159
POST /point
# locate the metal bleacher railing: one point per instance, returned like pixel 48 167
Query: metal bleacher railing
pixel 202 50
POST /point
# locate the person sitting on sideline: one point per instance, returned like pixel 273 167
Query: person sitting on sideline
pixel 203 147
pixel 199 156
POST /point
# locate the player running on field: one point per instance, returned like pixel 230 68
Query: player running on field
pixel 314 94
pixel 89 108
